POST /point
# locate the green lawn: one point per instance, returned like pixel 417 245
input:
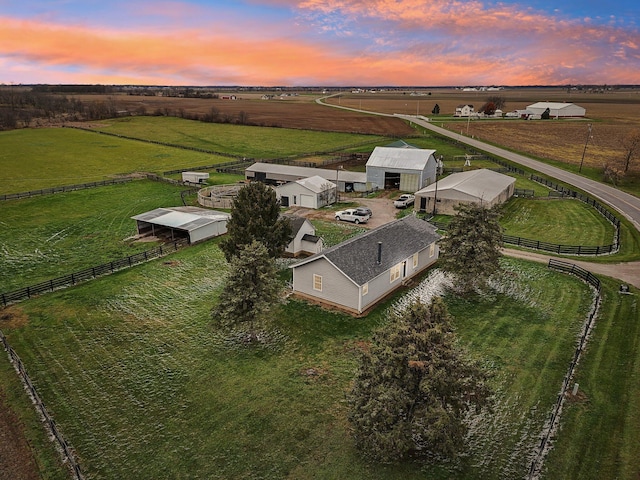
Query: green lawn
pixel 237 140
pixel 32 159
pixel 560 221
pixel 49 236
pixel 143 386
pixel 600 434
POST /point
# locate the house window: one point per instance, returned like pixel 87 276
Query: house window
pixel 395 272
pixel 415 260
pixel 317 282
pixel 432 249
pixel 365 289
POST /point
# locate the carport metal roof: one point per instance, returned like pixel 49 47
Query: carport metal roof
pixel 181 218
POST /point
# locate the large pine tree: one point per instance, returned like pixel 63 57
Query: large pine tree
pixel 471 248
pixel 255 215
pixel 413 388
pixel 251 290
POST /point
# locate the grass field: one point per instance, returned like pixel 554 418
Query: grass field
pixel 144 387
pixel 48 236
pixel 560 221
pixel 237 140
pixel 42 158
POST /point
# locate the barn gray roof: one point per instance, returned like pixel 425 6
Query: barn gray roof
pixel 403 158
pixel 480 184
pixel 304 172
pixel 357 258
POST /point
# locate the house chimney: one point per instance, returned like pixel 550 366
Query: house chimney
pixel 379 253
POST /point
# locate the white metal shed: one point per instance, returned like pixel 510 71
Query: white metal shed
pixel 407 169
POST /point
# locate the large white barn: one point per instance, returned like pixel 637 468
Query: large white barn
pixel 557 109
pixel 407 169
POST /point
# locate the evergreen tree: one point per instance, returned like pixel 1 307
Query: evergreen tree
pixel 436 109
pixel 471 248
pixel 413 388
pixel 251 289
pixel 255 215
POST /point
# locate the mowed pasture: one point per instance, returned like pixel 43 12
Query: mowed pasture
pixel 41 158
pixel 144 386
pixel 45 237
pixel 236 140
pixel 559 221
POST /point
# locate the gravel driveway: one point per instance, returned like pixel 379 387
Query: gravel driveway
pixel 382 208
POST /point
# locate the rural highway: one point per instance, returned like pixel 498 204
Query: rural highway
pixel 626 204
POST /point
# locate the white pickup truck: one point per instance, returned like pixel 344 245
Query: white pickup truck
pixel 404 200
pixel 352 215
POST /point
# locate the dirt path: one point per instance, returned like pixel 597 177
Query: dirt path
pixel 16 459
pixel 626 272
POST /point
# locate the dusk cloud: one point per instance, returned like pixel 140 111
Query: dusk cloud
pixel 313 42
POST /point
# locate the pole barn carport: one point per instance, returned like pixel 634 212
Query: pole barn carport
pixel 195 224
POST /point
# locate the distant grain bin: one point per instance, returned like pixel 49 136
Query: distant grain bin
pixel 195 177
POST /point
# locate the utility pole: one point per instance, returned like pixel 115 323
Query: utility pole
pixel 585 148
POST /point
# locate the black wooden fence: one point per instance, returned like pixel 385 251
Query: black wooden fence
pixel 567 192
pixel 554 417
pixel 64 188
pixel 545 246
pixel 89 273
pixel 69 456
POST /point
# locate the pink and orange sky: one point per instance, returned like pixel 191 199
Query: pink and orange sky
pixel 320 42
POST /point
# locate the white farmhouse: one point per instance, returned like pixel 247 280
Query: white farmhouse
pixel 464 111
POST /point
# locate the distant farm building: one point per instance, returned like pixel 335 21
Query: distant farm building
pixel 480 186
pixel 464 111
pixel 557 109
pixel 195 177
pixel 194 223
pixel 310 192
pixel 407 169
pixel 277 174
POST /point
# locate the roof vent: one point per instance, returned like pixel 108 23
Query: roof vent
pixel 379 253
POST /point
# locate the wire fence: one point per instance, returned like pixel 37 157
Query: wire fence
pixel 69 456
pixel 551 424
pixel 64 188
pixel 90 273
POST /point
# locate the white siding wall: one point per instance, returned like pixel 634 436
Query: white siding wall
pixel 336 288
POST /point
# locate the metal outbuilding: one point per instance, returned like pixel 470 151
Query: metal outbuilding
pixel 311 192
pixel 481 186
pixel 196 224
pixel 407 169
pixel 276 174
pixel 557 109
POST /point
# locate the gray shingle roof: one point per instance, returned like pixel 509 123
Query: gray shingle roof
pixel 357 257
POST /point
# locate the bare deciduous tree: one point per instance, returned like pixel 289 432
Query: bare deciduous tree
pixel 631 145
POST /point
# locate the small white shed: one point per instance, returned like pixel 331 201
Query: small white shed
pixel 311 192
pixel 195 177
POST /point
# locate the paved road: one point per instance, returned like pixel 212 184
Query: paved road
pixel 625 203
